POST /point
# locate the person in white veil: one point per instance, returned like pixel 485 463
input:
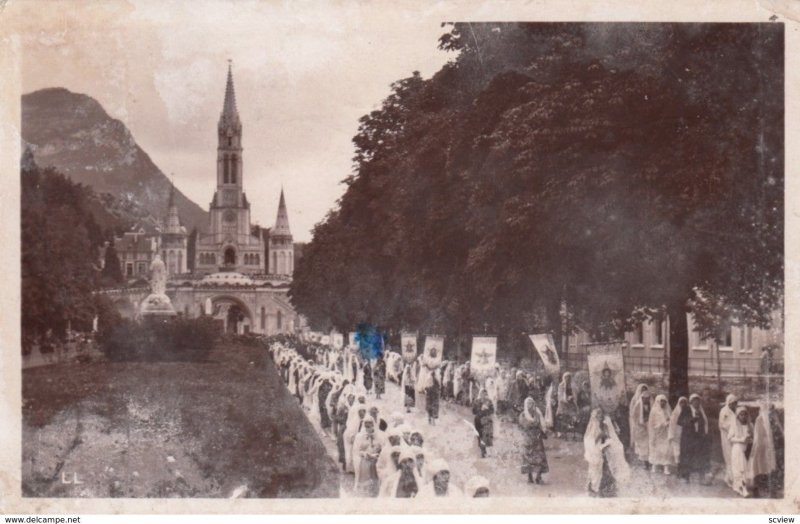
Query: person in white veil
pixel 477 487
pixel 605 456
pixel 405 482
pixel 387 464
pixel 727 416
pixel 675 429
pixel 550 405
pixel 660 451
pixel 638 416
pixel 355 420
pixel 407 388
pixel 440 484
pixel 740 435
pixel 366 449
pixel 763 460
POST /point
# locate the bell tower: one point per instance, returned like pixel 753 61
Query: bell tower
pixel 230 210
pixel 229 244
pixel 229 146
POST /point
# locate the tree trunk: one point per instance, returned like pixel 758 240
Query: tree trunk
pixel 678 351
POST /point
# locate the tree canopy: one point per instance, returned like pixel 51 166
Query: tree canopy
pixel 60 241
pixel 611 166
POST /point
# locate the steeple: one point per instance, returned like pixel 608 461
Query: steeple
pixel 173 220
pixel 282 222
pixel 229 111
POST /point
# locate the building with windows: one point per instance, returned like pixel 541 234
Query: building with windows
pixel 135 250
pixel 737 351
pixel 241 277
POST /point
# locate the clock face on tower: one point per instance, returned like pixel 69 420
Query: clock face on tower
pixel 229 216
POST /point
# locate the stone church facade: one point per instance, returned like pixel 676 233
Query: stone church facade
pixel 239 278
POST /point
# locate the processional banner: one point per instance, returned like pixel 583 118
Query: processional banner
pixel 408 341
pixel 606 375
pixel 484 355
pixel 546 348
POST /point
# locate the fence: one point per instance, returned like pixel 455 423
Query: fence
pixel 698 366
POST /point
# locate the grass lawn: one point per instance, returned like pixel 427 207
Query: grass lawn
pixel 170 429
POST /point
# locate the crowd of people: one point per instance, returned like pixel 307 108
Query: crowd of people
pixel 388 458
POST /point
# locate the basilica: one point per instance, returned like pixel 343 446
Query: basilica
pixel 238 276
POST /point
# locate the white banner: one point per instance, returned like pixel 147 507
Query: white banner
pixel 408 341
pixel 352 339
pixel 546 348
pixel 338 340
pixel 434 349
pixel 606 375
pixel 326 340
pixel 484 355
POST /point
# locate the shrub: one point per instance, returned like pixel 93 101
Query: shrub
pixel 153 339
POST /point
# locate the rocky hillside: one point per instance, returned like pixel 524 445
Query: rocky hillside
pixel 72 133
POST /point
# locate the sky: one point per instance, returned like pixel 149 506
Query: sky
pixel 304 73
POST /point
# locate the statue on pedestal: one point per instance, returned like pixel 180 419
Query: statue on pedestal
pixel 157 303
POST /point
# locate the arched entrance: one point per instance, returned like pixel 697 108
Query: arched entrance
pixel 232 314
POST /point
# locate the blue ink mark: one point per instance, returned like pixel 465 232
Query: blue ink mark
pixel 369 341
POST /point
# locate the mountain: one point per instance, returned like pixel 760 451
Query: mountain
pixel 72 133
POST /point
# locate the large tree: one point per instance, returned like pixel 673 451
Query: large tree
pixel 613 166
pixel 59 250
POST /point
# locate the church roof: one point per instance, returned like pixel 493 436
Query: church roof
pixel 282 221
pixel 229 111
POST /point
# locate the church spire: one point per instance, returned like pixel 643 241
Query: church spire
pixel 229 111
pixel 282 222
pixel 173 220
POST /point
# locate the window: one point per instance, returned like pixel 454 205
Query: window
pixel 263 318
pixel 230 141
pixel 274 262
pixel 129 269
pixel 233 169
pixel 225 169
pixel 658 332
pixel 725 339
pixel 747 338
pixel 638 334
pixel 280 319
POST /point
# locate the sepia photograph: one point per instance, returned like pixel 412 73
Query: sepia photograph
pixel 340 253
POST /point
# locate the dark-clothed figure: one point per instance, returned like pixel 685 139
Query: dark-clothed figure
pixel 432 394
pixel 483 409
pixel 534 459
pixel 367 371
pixel 694 456
pixel 380 377
pixel 322 395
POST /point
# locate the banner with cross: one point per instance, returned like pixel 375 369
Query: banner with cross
pixel 484 355
pixel 408 342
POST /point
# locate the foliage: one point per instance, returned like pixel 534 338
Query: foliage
pixel 112 271
pixel 60 242
pixel 152 339
pixel 611 166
